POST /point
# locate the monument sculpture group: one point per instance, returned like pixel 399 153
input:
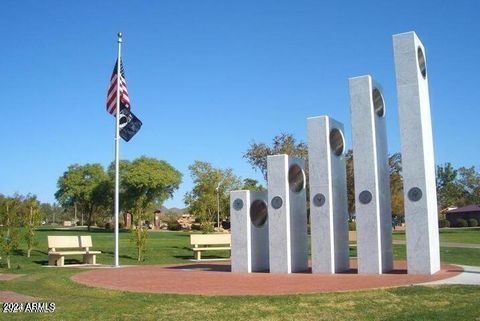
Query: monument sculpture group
pixel 269 229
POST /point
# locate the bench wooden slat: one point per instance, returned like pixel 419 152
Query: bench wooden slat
pixel 210 248
pixel 63 241
pixel 210 239
pixel 74 252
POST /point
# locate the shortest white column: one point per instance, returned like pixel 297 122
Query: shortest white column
pixel 328 195
pixel 249 226
pixel 287 214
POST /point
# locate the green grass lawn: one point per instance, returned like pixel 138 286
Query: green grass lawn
pixel 78 302
pixel 453 235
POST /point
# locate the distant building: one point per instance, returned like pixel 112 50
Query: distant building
pixel 465 212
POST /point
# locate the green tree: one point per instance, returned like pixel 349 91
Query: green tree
pixel 9 229
pixel 396 185
pixel 284 143
pixel 32 220
pixel 449 191
pixel 52 213
pixel 145 184
pixel 252 185
pixel 350 183
pixel 210 183
pixel 469 180
pixel 86 186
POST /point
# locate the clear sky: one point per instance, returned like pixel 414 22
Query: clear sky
pixel 208 77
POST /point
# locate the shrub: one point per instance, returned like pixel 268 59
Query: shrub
pixel 171 219
pixel 472 222
pixel 225 225
pixel 174 226
pixel 352 226
pixel 462 223
pixel 444 223
pixel 196 227
pixel 206 227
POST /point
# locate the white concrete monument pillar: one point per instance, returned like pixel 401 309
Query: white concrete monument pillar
pixel 249 225
pixel 418 165
pixel 287 214
pixel 372 179
pixel 328 195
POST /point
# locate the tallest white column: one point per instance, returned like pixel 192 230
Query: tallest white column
pixel 421 218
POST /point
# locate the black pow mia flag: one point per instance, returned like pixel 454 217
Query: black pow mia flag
pixel 129 124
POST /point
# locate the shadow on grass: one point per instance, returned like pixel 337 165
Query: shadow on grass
pixel 111 253
pixel 19 252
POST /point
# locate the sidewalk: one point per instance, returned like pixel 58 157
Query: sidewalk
pixel 446 244
pixel 470 276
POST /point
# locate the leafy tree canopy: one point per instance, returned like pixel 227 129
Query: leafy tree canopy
pixel 146 182
pixel 284 143
pixel 87 186
pixel 208 181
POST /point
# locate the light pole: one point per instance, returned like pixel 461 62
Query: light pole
pixel 218 204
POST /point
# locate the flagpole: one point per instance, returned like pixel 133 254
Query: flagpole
pixel 117 150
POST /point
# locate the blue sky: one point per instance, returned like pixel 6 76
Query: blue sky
pixel 208 77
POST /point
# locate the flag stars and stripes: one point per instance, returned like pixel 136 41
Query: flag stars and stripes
pixel 112 91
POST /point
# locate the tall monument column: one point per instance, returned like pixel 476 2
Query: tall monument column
pixel 418 165
pixel 328 195
pixel 287 214
pixel 372 179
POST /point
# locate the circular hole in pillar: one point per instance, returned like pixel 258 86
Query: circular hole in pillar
pixel 378 102
pixel 421 62
pixel 258 213
pixel 337 142
pixel 296 178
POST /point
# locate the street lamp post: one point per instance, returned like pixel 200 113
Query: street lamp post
pixel 218 204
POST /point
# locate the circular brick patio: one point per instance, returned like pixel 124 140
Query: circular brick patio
pixel 216 279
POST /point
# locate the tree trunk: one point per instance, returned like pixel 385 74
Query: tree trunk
pixel 90 214
pixel 138 233
pixel 8 235
pixel 30 233
pixel 75 212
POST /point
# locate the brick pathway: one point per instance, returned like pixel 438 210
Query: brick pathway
pixel 9 276
pixel 216 279
pixel 10 296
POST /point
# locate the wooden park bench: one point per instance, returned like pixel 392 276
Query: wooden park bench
pixel 71 245
pixel 209 242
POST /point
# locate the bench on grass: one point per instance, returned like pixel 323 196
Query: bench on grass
pixel 61 246
pixel 209 242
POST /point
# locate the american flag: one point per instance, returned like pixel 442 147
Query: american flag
pixel 112 91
